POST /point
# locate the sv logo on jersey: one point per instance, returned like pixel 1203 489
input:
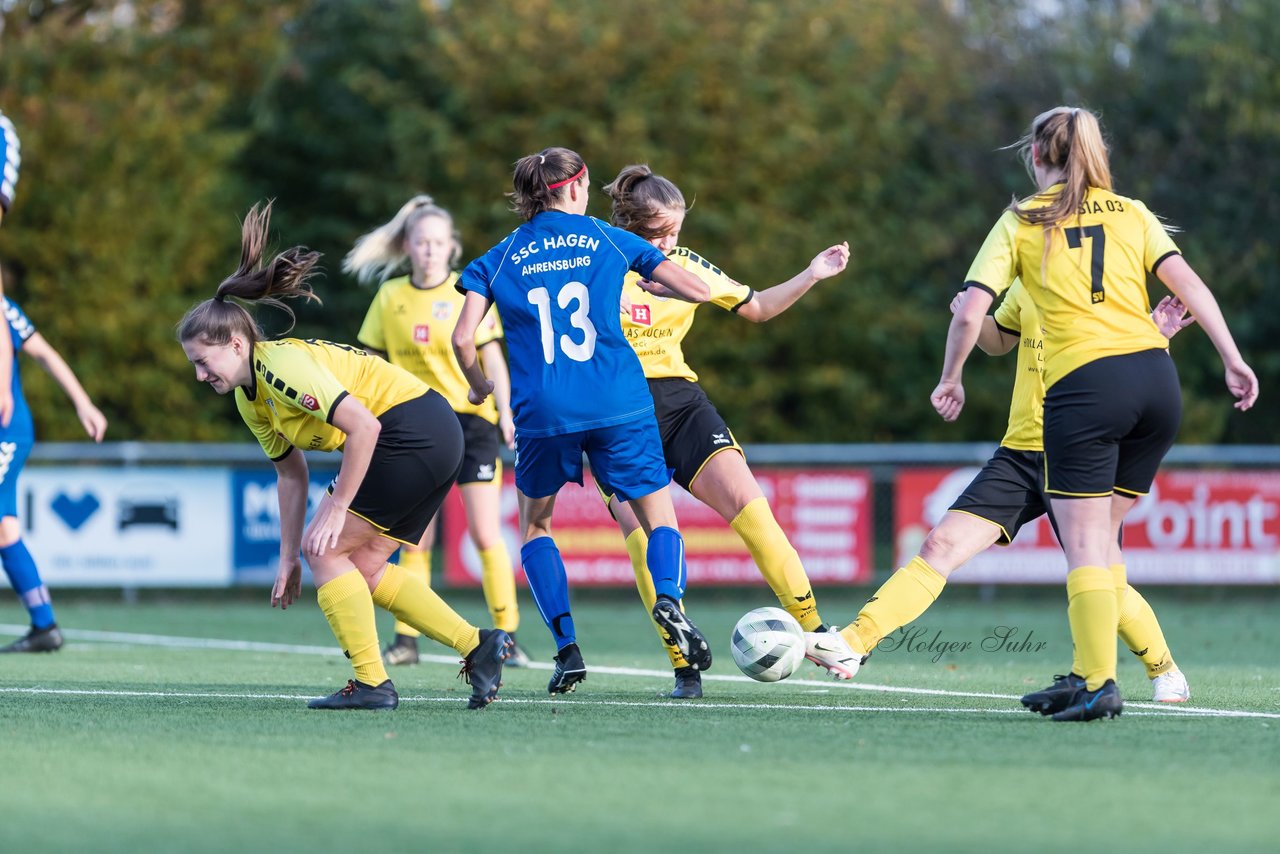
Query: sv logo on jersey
pixel 421 333
pixel 719 439
pixel 641 314
pixel 309 402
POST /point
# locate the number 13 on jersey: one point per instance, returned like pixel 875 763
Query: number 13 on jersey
pixel 571 293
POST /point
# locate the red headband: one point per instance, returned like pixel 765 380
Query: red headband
pixel 576 176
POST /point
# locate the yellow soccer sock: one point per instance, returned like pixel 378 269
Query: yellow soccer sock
pixel 417 563
pixel 778 562
pixel 637 545
pixel 902 599
pixel 421 607
pixel 1138 627
pixel 499 582
pixel 1091 610
pixel 348 607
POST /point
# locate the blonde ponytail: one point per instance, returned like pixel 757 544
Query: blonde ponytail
pixel 380 253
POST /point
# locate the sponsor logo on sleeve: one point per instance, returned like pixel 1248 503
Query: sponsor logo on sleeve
pixel 309 402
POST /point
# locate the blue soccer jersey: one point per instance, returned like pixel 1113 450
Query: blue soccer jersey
pixel 20 329
pixel 10 160
pixel 557 281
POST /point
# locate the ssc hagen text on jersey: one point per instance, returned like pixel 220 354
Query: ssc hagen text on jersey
pixel 559 241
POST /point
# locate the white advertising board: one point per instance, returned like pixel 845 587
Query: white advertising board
pixel 128 527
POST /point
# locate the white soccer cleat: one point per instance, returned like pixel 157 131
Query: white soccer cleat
pixel 1170 687
pixel 831 651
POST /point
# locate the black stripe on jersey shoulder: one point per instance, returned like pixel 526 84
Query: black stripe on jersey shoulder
pixel 328 419
pixel 751 294
pixel 981 287
pixel 1163 258
pixel 282 456
pixel 1007 331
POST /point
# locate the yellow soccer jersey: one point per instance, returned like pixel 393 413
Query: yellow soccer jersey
pixel 656 326
pixel 414 327
pixel 1017 315
pixel 1091 289
pixel 298 384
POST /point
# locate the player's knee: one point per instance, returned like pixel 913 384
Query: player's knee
pixel 941 550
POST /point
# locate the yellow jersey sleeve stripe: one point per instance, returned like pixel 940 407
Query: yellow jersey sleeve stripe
pixel 1162 259
pixel 332 409
pixel 1007 331
pixel 981 287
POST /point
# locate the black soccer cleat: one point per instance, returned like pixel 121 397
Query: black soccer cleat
pixel 358 695
pixel 402 650
pixel 1091 705
pixel 688 684
pixel 482 669
pixel 570 670
pixel 37 640
pixel 1056 697
pixel 682 633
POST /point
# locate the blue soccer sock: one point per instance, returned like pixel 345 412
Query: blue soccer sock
pixel 549 584
pixel 25 578
pixel 666 562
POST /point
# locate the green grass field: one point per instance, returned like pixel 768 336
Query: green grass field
pixel 150 732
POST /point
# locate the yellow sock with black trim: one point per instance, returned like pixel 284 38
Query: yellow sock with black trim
pixel 1138 627
pixel 637 545
pixel 419 606
pixel 778 561
pixel 902 599
pixel 416 563
pixel 1092 612
pixel 348 607
pixel 499 583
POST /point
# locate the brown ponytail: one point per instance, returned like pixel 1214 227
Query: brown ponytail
pixel 288 275
pixel 639 196
pixel 539 179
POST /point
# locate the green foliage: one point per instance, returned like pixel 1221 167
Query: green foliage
pixel 791 125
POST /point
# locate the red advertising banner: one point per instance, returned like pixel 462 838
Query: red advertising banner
pixel 1195 527
pixel 825 512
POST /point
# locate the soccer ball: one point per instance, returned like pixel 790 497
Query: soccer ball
pixel 768 644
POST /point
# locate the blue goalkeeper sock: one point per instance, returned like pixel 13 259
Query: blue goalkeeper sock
pixel 549 584
pixel 666 562
pixel 25 578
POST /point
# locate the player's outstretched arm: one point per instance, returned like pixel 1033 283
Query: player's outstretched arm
pixel 1178 277
pixel 495 368
pixel 6 377
pixel 991 339
pixel 292 484
pixel 362 428
pixel 474 308
pixel 773 301
pixel 93 421
pixel 966 324
pixel 672 280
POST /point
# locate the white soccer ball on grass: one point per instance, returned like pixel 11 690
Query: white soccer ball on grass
pixel 768 644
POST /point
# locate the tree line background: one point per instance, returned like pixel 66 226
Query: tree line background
pixel 149 127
